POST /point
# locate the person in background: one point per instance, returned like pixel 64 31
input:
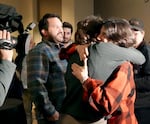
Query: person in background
pixel 68 30
pixel 142 73
pixel 7 67
pixel 25 43
pixel 45 70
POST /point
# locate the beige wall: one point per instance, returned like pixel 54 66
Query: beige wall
pixel 125 9
pixel 83 8
pixel 70 10
pixel 68 13
pixel 75 10
pixel 48 6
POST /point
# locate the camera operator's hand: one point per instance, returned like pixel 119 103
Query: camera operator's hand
pixel 5 54
pixel 54 117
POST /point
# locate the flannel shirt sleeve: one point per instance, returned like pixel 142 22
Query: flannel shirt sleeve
pixel 66 52
pixel 108 96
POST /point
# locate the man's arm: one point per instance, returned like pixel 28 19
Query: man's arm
pixel 81 49
pixel 7 68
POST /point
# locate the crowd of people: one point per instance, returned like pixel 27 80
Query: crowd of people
pixel 102 77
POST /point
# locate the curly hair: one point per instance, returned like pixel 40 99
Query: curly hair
pixel 88 29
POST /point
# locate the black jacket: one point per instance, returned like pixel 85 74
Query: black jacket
pixel 142 78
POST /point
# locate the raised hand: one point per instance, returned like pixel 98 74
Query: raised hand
pixel 80 72
pixel 82 51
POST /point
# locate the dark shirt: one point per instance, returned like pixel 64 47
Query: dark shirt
pixel 73 103
pixel 142 78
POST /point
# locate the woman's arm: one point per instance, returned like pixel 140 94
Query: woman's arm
pixel 135 56
pixel 106 96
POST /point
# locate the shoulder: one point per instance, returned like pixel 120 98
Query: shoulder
pixel 40 48
pixel 125 67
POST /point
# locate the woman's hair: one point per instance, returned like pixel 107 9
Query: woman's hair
pixel 118 31
pixel 88 29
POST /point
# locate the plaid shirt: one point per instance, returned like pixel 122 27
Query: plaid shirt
pixel 46 77
pixel 116 97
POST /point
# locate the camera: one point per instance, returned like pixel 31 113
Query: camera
pixel 10 26
pixel 10 44
pixel 10 20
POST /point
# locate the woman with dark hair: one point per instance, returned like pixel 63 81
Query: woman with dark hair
pixel 111 88
pixel 103 59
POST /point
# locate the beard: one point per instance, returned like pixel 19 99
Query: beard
pixel 57 38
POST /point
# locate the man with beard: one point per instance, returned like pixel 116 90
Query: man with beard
pixel 45 71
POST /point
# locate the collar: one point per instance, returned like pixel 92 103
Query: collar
pixel 52 43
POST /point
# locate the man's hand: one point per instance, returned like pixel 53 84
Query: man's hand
pixel 5 54
pixel 80 72
pixel 82 51
pixel 54 117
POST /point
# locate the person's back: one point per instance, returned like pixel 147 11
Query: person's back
pixel 116 48
pixel 105 57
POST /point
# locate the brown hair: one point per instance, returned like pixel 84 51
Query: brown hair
pixel 88 29
pixel 68 25
pixel 118 31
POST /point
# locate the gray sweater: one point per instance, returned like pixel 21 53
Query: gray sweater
pixel 7 70
pixel 105 57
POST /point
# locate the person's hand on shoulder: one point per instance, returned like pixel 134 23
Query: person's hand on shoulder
pixel 80 72
pixel 82 51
